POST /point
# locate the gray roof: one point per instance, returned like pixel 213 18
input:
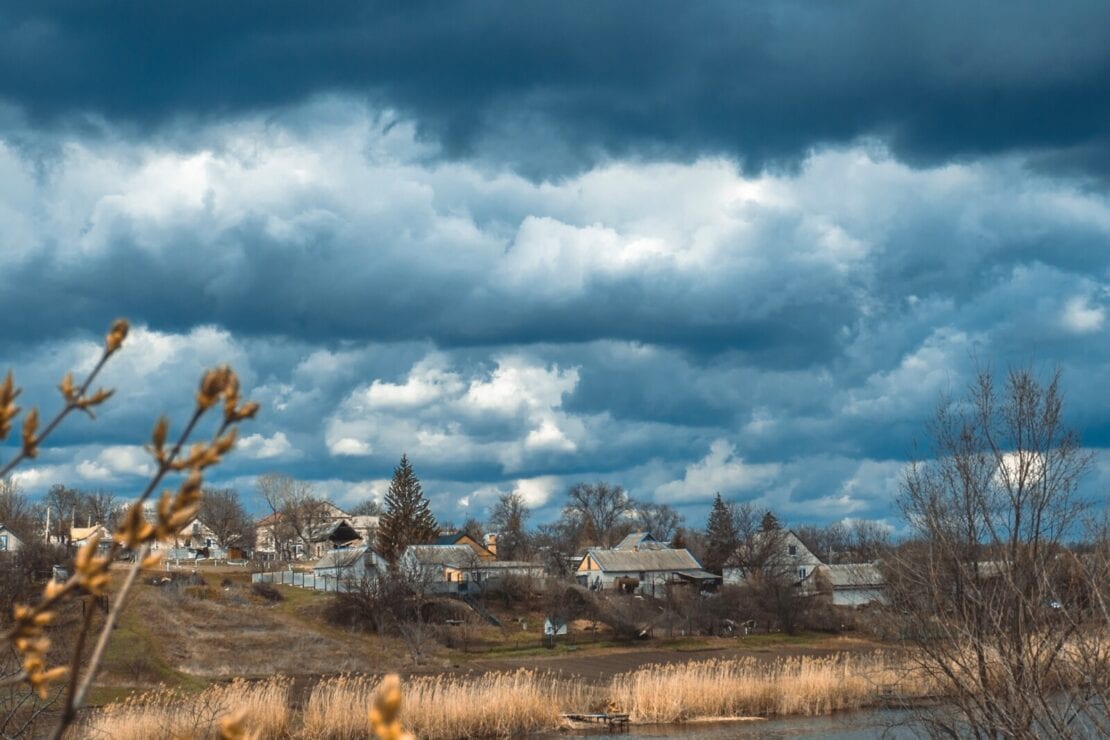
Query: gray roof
pixel 340 558
pixel 456 556
pixel 855 575
pixel 640 541
pixel 644 560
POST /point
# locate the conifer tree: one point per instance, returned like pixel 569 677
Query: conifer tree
pixel 408 518
pixel 770 522
pixel 721 536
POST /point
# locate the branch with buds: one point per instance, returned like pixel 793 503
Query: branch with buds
pixel 174 511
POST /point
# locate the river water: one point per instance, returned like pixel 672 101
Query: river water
pixel 866 724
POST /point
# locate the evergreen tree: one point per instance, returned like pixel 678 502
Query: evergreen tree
pixel 408 518
pixel 770 522
pixel 721 536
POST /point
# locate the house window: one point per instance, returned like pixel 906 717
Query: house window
pixel 792 549
pixel 801 572
pixel 3 542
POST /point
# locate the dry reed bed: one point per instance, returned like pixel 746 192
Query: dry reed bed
pixel 169 713
pixel 491 705
pixel 511 703
pixel 751 687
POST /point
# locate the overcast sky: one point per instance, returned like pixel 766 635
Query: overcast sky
pixel 735 247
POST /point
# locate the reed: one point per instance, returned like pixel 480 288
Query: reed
pixel 490 705
pixel 263 706
pixel 752 687
pixel 518 702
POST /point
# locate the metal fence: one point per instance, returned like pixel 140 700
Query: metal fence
pixel 302 580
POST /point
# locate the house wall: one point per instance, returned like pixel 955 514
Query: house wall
pixel 652 583
pixel 9 542
pixel 857 596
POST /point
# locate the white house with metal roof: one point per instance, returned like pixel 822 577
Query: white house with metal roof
pixel 647 571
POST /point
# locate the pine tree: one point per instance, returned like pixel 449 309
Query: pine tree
pixel 721 536
pixel 408 518
pixel 770 522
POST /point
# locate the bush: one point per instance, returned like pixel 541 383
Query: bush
pixel 267 591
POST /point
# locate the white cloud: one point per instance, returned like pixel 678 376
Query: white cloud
pixel 265 448
pixel 536 492
pixel 509 415
pixel 1080 317
pixel 349 446
pixel 719 471
pixel 126 460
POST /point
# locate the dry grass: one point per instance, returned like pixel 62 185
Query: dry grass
pixel 512 703
pixel 750 687
pixel 492 705
pixel 169 713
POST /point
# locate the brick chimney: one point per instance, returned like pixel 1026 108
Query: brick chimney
pixel 491 543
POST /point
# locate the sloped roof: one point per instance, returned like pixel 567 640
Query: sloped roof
pixel 337 529
pixel 644 560
pixel 456 556
pixel 340 558
pixel 855 575
pixel 81 533
pixel 641 541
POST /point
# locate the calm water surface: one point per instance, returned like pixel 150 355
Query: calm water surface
pixel 846 726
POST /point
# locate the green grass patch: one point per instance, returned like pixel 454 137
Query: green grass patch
pixel 133 655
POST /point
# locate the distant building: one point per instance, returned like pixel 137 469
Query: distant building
pixel 788 555
pixel 855 584
pixel 648 571
pixel 9 541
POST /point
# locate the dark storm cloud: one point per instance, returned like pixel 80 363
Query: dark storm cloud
pixel 550 87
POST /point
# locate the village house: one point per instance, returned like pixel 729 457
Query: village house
pixel 273 533
pixel 350 566
pixel 482 551
pixel 641 564
pixel 9 541
pixel 856 584
pixel 789 555
pixel 80 536
pixel 332 535
pixel 459 568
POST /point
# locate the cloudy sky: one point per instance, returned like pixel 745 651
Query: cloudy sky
pixel 732 247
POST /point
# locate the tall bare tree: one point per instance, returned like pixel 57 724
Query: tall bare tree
pixel 602 507
pixel 296 512
pixel 508 519
pixel 1003 616
pixel 16 511
pixel 223 513
pixel 660 520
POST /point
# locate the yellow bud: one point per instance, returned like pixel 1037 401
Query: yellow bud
pixel 116 335
pixel 30 425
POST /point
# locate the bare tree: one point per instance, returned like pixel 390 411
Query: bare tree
pixel 508 519
pixel 1009 622
pixel 62 503
pixel 16 511
pixel 223 513
pixel 601 507
pixel 97 507
pixel 660 520
pixel 296 513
